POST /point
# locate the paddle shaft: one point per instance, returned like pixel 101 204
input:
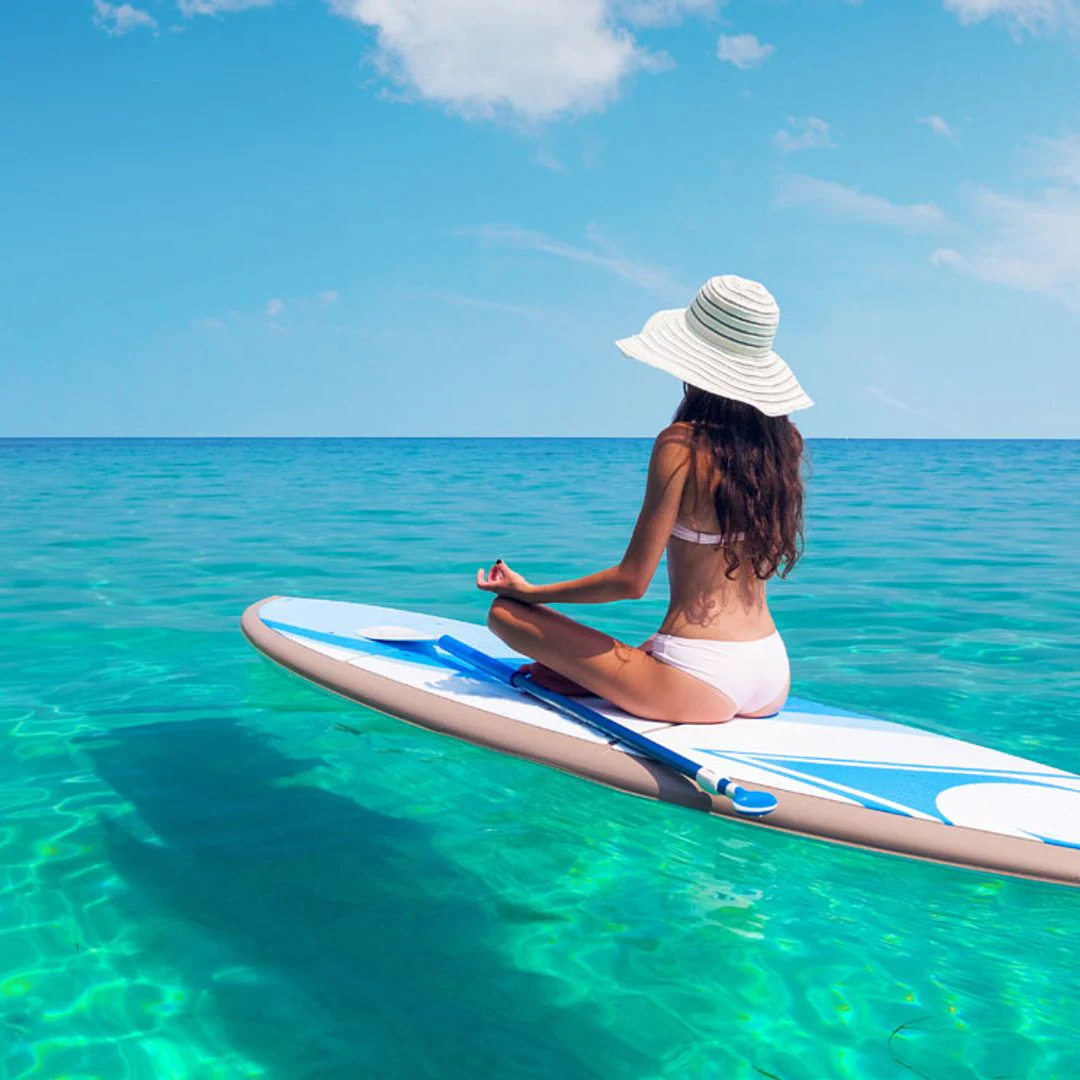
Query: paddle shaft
pixel 746 802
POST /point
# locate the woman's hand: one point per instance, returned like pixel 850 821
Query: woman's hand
pixel 503 581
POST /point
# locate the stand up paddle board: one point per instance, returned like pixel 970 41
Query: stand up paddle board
pixel 837 776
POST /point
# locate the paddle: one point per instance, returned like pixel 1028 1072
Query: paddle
pixel 745 801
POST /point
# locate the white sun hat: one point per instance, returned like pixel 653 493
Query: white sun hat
pixel 723 343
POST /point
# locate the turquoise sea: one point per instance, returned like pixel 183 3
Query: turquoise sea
pixel 203 876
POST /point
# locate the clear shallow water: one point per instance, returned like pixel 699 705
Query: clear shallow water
pixel 200 876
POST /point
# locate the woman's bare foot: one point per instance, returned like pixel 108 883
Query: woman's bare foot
pixel 550 679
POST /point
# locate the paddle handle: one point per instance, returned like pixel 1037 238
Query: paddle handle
pixel 746 802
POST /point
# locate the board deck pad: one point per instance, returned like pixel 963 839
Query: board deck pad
pixel 846 777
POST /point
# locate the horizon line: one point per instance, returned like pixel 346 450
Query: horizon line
pixel 505 438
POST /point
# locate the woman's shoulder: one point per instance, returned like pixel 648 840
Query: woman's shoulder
pixel 677 434
pixel 673 446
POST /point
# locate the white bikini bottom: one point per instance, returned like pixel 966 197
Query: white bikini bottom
pixel 752 673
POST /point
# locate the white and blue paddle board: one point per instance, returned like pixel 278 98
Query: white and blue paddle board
pixel 838 776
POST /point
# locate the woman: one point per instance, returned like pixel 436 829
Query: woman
pixel 724 497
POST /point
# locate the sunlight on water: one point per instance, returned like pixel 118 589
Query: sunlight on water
pixel 202 877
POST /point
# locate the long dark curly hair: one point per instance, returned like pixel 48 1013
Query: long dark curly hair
pixel 757 464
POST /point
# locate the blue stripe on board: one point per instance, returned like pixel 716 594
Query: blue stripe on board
pixel 917 790
pixel 1055 843
pixel 856 795
pixel 909 766
pixel 814 708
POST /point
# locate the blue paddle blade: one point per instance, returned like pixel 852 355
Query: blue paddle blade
pixel 753 803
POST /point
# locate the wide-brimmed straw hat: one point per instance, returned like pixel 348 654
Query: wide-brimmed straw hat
pixel 723 343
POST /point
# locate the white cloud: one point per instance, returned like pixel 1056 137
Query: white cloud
pixel 647 277
pixel 743 50
pixel 533 58
pixel 851 204
pixel 811 133
pixel 118 19
pixel 529 59
pixel 660 12
pixel 548 160
pixel 190 8
pixel 1030 15
pixel 893 403
pixel 939 126
pixel 301 310
pixel 1031 243
pixel 1058 159
pixel 457 300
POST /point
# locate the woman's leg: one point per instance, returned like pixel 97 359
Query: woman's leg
pixel 628 677
pixel 550 678
pixel 542 675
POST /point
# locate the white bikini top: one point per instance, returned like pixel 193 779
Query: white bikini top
pixel 693 536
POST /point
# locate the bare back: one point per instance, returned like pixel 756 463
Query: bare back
pixel 705 603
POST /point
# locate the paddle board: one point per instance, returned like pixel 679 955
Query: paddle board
pixel 839 776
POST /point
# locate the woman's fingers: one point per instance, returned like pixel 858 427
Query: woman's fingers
pixel 499 576
pixel 489 581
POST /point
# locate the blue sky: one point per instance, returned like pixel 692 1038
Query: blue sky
pixel 373 217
